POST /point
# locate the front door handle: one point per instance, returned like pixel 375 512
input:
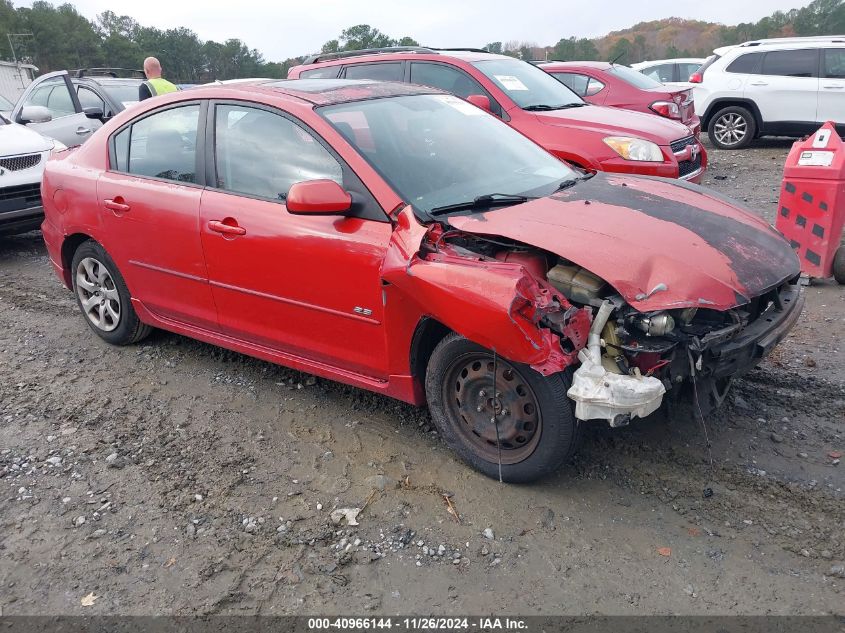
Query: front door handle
pixel 117 204
pixel 82 130
pixel 227 226
pixel 759 83
pixel 834 87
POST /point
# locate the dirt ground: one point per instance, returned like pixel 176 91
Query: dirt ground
pixel 177 478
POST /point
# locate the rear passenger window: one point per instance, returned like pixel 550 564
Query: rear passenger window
pixel 259 153
pixel 800 63
pixel 746 64
pixel 330 72
pixel 162 145
pixel 834 63
pixel 576 83
pixel 391 71
pixel 451 80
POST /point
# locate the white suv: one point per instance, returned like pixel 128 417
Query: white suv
pixel 777 87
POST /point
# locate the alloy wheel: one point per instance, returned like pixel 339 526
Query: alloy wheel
pixel 730 129
pixel 97 294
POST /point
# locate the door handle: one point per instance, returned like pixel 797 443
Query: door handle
pixel 226 227
pixel 82 130
pixel 834 87
pixel 759 83
pixel 117 204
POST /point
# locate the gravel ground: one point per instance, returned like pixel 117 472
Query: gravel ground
pixel 177 478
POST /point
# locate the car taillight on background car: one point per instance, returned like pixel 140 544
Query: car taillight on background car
pixel 668 109
pixel 696 78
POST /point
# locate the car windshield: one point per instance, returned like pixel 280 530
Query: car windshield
pixel 124 94
pixel 633 77
pixel 528 86
pixel 438 150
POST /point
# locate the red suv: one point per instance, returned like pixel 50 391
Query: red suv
pixel 534 103
pixel 617 86
pixel 399 239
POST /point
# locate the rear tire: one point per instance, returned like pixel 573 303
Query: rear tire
pixel 733 127
pixel 538 431
pixel 839 265
pixel 103 298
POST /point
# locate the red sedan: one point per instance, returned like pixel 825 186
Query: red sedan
pixel 617 86
pixel 530 101
pixel 399 239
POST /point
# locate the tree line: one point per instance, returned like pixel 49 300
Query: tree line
pixel 59 37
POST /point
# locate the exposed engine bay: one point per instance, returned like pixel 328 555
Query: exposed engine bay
pixel 628 362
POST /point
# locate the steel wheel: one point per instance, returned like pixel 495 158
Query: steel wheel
pixel 474 410
pixel 730 129
pixel 98 294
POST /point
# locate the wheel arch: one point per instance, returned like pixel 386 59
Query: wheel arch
pixel 69 246
pixel 727 102
pixel 428 333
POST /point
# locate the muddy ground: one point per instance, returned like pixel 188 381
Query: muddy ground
pixel 177 478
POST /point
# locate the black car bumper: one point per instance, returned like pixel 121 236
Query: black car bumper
pixel 744 351
pixel 21 220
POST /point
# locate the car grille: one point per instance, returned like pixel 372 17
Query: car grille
pixel 686 167
pixel 680 144
pixel 19 163
pixel 20 197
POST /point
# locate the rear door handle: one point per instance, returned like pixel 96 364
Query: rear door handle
pixel 834 87
pixel 82 130
pixel 116 204
pixel 759 83
pixel 226 227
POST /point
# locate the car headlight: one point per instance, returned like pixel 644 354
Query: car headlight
pixel 634 148
pixel 58 146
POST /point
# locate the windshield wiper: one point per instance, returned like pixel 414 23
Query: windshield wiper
pixel 543 107
pixel 566 184
pixel 487 200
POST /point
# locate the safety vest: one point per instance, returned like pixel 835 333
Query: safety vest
pixel 159 86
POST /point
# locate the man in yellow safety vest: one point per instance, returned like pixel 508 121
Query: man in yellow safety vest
pixel 154 85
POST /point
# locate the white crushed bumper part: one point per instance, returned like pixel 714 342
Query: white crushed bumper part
pixel 603 395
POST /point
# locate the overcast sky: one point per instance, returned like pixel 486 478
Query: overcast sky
pixel 289 28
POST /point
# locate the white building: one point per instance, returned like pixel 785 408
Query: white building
pixel 14 78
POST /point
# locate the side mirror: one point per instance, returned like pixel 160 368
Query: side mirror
pixel 93 112
pixel 34 114
pixel 318 197
pixel 482 101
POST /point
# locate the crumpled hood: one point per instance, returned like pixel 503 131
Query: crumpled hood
pixel 637 233
pixel 616 121
pixel 18 139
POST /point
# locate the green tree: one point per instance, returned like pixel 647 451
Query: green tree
pixel 621 51
pixel 494 47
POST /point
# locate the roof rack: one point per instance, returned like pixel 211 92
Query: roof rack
pixel 106 72
pixel 834 39
pixel 324 57
pixel 464 50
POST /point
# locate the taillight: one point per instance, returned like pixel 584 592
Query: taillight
pixel 696 78
pixel 668 109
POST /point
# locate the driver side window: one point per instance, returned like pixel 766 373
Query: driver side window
pixel 260 153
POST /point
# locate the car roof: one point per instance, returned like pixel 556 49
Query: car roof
pixel 465 54
pixel 573 64
pixel 318 91
pixel 781 43
pixel 674 60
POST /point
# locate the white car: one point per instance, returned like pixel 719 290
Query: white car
pixel 23 153
pixel 776 87
pixel 669 71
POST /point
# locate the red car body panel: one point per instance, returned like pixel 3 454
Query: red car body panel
pixel 575 134
pixel 289 287
pixel 618 93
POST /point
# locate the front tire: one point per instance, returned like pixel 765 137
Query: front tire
pixel 733 127
pixel 103 298
pixel 537 429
